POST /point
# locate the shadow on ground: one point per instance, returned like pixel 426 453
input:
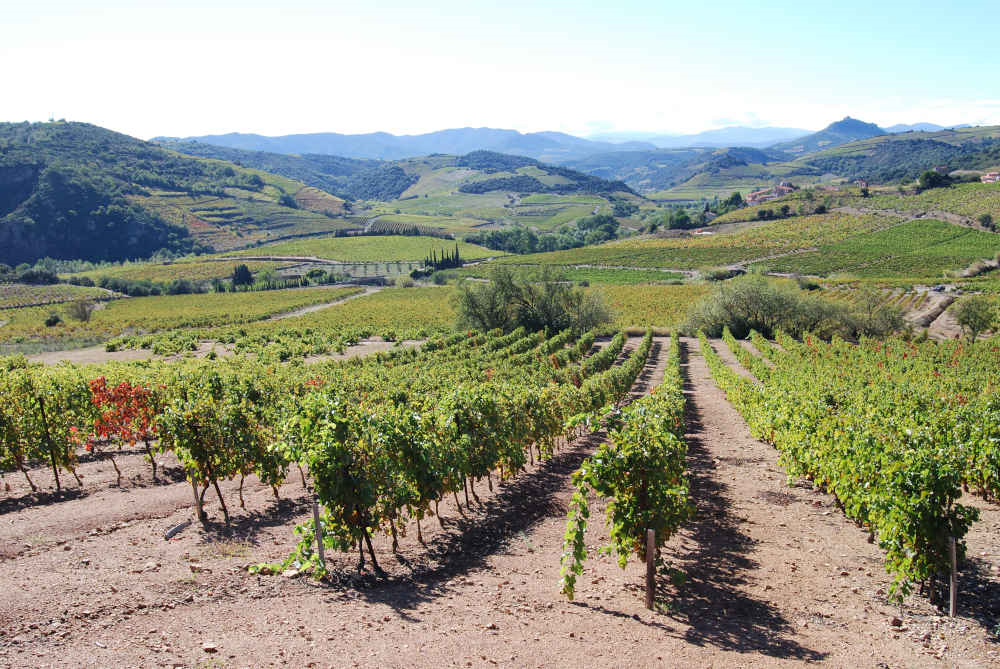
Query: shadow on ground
pixel 712 602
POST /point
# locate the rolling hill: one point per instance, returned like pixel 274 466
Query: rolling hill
pixel 74 190
pixel 552 147
pixel 840 132
pixel 904 156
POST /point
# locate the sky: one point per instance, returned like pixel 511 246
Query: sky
pixel 185 68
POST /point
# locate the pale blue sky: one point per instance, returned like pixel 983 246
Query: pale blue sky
pixel 185 68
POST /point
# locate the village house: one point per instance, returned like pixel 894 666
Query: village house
pixel 990 178
pixel 767 194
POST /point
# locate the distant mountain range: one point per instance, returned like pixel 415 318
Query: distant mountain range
pixel 551 147
pixel 717 138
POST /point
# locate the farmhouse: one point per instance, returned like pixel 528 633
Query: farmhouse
pixel 773 193
pixel 990 178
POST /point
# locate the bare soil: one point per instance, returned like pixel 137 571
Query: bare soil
pixel 775 575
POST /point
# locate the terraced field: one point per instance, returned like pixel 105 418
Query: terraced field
pixel 919 248
pixel 972 200
pixel 242 219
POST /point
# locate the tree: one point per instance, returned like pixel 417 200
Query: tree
pixel 987 222
pixel 976 315
pixel 932 179
pixel 242 275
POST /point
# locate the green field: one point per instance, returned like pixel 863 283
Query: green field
pixel 15 295
pixel 192 268
pixel 166 312
pixel 369 248
pixel 593 275
pixel 661 307
pixel 972 200
pixel 697 251
pixel 920 248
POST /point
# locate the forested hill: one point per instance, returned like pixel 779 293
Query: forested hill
pixel 74 190
pixel 526 175
pixel 377 180
pixel 329 173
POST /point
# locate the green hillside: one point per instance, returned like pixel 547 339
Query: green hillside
pixel 74 190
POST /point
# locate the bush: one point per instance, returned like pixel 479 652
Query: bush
pixel 80 310
pixel 81 281
pixel 404 282
pixel 975 314
pixel 38 277
pixel 717 273
pixel 53 320
pixel 754 303
pixel 871 317
pixel 181 287
pixel 507 302
pixel 242 276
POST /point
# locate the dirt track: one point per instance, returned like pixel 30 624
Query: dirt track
pixel 775 576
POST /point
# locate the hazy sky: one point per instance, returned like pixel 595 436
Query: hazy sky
pixel 191 68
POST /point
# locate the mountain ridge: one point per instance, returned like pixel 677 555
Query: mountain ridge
pixel 547 146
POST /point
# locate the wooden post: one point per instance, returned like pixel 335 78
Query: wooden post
pixel 650 568
pixel 953 603
pixel 319 534
pixel 198 511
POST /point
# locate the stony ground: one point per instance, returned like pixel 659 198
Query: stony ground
pixel 775 575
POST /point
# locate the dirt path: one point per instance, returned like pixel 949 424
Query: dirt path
pixel 780 572
pixel 319 307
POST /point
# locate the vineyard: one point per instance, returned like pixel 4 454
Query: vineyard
pixel 17 295
pixel 150 314
pixel 972 200
pixel 193 270
pixel 920 248
pixel 752 243
pixel 381 438
pixel 893 430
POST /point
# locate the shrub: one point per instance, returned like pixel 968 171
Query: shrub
pixel 38 277
pixel 242 276
pixel 753 303
pixel 53 320
pixel 975 314
pixel 80 310
pixel 404 282
pixel 508 302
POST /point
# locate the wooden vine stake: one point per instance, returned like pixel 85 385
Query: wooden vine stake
pixel 650 568
pixel 319 534
pixel 198 510
pixel 953 603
